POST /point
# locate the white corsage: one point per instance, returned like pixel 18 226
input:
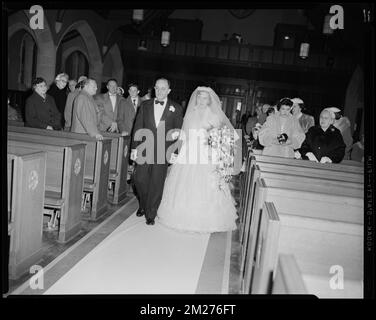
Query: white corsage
pixel 171 108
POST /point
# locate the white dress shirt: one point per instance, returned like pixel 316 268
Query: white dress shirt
pixel 113 101
pixel 134 102
pixel 158 111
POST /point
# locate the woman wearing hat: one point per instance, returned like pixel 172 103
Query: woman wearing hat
pixel 343 124
pixel 324 142
pixel 281 134
pixel 305 120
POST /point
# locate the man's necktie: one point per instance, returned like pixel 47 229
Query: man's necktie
pixel 159 102
pixel 134 102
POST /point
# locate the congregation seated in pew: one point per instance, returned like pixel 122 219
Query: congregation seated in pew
pixel 281 134
pixel 324 142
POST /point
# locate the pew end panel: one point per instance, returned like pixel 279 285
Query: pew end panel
pixel 288 278
pixel 59 167
pixel 74 168
pixel 260 274
pixel 27 198
pixel 101 176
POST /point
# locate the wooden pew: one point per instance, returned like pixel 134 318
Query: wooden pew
pixel 303 203
pixel 268 161
pixel 15 123
pixel 301 183
pixel 343 162
pixel 118 160
pixel 119 165
pixel 295 171
pixel 318 244
pixel 310 164
pixel 64 180
pixel 288 278
pixel 318 173
pixel 26 188
pixel 97 162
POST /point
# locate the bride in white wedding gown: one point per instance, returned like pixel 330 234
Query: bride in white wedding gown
pixel 192 199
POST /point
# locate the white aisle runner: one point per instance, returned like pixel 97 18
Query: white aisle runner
pixel 138 259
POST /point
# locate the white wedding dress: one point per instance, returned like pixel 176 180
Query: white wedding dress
pixel 192 200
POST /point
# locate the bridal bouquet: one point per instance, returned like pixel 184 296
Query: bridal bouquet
pixel 221 141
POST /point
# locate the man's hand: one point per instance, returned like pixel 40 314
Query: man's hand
pixel 49 128
pixel 124 133
pixel 325 160
pixel 133 154
pixel 311 157
pixel 297 155
pixel 113 127
pixel 98 137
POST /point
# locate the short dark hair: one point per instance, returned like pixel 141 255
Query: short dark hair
pixel 109 80
pixel 284 102
pixel 36 81
pixel 162 78
pixel 133 85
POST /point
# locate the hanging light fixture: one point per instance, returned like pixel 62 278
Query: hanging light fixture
pixel 165 39
pixel 59 20
pixel 326 29
pixel 138 15
pixel 304 50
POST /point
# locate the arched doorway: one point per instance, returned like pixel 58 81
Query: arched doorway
pixel 80 36
pixel 45 47
pixel 76 65
pixel 22 60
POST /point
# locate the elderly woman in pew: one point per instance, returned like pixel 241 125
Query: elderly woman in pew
pixel 324 142
pixel 40 109
pixel 281 134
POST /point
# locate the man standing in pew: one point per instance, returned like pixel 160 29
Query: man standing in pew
pixel 86 115
pixel 109 104
pixel 40 109
pixel 127 111
pixel 70 101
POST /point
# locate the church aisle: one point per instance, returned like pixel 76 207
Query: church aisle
pixel 138 259
pixel 125 256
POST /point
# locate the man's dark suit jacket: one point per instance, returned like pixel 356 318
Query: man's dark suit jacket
pixel 172 117
pixel 127 114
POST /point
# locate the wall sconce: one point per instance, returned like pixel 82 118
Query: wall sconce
pixel 165 39
pixel 138 15
pixel 326 29
pixel 304 50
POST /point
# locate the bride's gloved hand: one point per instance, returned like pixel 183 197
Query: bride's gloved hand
pixel 173 158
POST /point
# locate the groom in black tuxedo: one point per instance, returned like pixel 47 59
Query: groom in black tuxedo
pixel 155 118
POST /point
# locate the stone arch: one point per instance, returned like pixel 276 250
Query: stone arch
pixel 93 52
pixel 46 55
pixel 117 63
pixel 70 50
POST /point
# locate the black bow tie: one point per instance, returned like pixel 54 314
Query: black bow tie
pixel 159 102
